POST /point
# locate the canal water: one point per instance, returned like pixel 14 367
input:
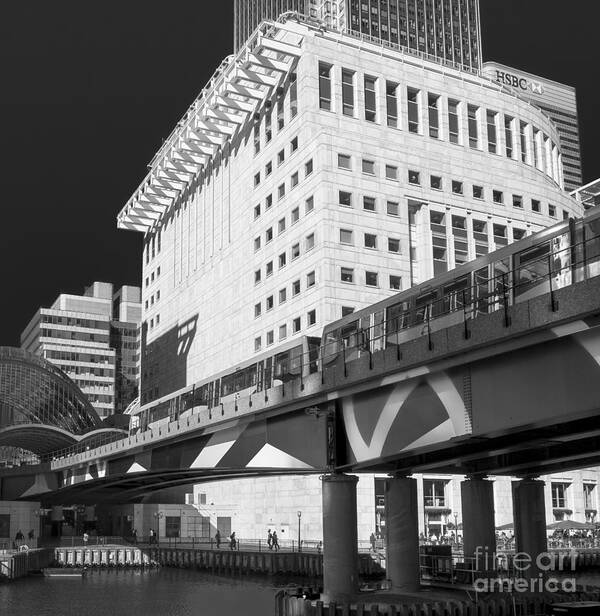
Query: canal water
pixel 160 592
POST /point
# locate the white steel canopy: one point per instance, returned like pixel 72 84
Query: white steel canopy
pixel 236 91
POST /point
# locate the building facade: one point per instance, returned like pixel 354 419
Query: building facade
pixel 444 29
pixel 558 101
pixel 94 339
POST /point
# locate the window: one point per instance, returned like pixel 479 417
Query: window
pixel 370 240
pixel 523 139
pixel 518 234
pixel 295 251
pixel 293 95
pixel 433 101
pixel 497 196
pixel 347 274
pixel 517 201
pixel 393 245
pixel 552 210
pixel 345 198
pixel 295 215
pixel 344 161
pixel 282 332
pixel 256 211
pixel 268 201
pixel 325 86
pixel 280 114
pixel 268 235
pixel 395 283
pixel 535 205
pixel 269 271
pixel 268 168
pixel 308 167
pixel 435 182
pixel 309 205
pixel 311 317
pixel 296 325
pixel 370 99
pixel 347 92
pixel 257 310
pixel 295 288
pixel 257 343
pixel 508 135
pixel 391 100
pixel 369 204
pixel 293 145
pixel 146 305
pixel 310 280
pixel 457 187
pixel 257 276
pixel 491 117
pixel 147 281
pixel 280 157
pixel 281 226
pixel 346 236
pixel 282 296
pixel 346 310
pixel 393 208
pixel 414 124
pixel 282 260
pixel 294 180
pixel 559 495
pixel 371 279
pixel 472 111
pixel 270 337
pixel 391 172
pixel 564 212
pixel 270 303
pixel 256 243
pixel 256 138
pixel 281 191
pixel 309 242
pixel 368 166
pixel 257 179
pixel 478 192
pixel 453 124
pixel 414 177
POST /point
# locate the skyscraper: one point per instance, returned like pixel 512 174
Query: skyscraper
pixel 94 339
pixel 445 29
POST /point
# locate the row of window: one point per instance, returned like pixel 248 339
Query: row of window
pixel 282 223
pixel 309 205
pixel 504 134
pixel 153 276
pixel 371 279
pixel 283 294
pixel 154 297
pixel 153 246
pixel 74 322
pixel 284 330
pixel 155 321
pixel 309 243
pixel 370 240
pixel 294 178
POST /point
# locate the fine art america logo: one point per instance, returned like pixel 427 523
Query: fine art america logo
pixel 527 573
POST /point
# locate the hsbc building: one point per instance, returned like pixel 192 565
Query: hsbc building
pixel 557 101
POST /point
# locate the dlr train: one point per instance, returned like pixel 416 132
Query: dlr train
pixel 539 264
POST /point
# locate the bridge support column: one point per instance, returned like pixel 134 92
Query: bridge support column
pixel 479 534
pixel 530 525
pixel 340 538
pixel 402 533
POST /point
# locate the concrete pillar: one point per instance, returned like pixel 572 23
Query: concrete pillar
pixel 479 534
pixel 402 533
pixel 340 538
pixel 530 524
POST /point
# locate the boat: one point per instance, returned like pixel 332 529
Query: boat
pixel 64 572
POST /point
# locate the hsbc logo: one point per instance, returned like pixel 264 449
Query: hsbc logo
pixel 519 83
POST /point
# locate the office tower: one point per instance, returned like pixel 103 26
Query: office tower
pixel 94 339
pixel 558 101
pixel 443 29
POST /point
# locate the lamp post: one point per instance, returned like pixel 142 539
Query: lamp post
pixel 299 542
pixel 158 515
pixel 456 526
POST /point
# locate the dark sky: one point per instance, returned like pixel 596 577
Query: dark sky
pixel 88 90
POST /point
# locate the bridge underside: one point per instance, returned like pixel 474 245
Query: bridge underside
pixel 529 451
pixel 136 487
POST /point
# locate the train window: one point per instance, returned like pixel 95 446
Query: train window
pixel 457 294
pixel 532 266
pixel 425 306
pixel 482 291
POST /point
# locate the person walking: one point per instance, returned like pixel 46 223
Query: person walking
pixel 270 540
pixel 151 534
pixel 275 541
pixel 134 535
pixel 30 535
pixel 85 538
pixel 232 541
pixel 218 539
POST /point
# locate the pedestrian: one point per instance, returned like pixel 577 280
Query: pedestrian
pixel 30 535
pixel 19 536
pixel 275 541
pixel 232 541
pixel 134 535
pixel 151 534
pixel 372 539
pixel 270 540
pixel 85 538
pixel 319 547
pixel 218 539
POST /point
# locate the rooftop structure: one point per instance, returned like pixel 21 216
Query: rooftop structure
pixel 588 195
pixel 93 338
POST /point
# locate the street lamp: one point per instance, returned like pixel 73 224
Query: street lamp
pixel 158 515
pixel 299 542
